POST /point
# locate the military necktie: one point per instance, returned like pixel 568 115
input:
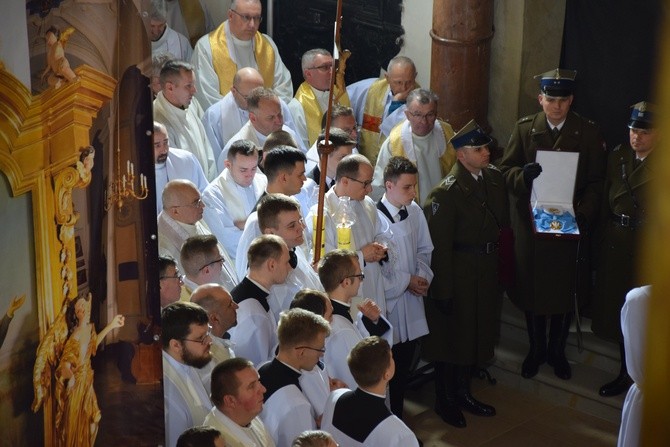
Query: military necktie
pixel 555 132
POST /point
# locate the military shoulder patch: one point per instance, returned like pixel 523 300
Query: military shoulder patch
pixel 525 119
pixel 434 207
pixel 493 167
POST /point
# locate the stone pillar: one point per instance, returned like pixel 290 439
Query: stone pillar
pixel 461 35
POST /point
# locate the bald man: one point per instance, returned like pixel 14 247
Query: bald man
pixel 233 107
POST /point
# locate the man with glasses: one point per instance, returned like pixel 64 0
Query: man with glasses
pixel 181 218
pixel 173 163
pixel 235 44
pixel 421 138
pixel 341 276
pixel 341 117
pixel 311 99
pixel 203 263
pixel 186 342
pixel 232 196
pixel 379 103
pixel 170 280
pixel 302 340
pixel 225 117
pixel 370 234
pixel 255 336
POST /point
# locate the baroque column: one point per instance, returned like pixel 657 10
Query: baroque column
pixel 460 59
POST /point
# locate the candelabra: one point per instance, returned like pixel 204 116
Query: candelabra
pixel 123 187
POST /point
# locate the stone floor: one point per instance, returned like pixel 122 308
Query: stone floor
pixel 522 419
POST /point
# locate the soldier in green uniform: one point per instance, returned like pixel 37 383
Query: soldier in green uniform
pixel 547 268
pixel 465 213
pixel 623 215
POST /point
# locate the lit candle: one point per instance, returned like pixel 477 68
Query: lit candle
pixel 128 166
pixel 343 237
pixel 132 169
pixel 123 181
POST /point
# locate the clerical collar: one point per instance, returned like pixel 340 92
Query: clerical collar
pixel 393 210
pixel 341 302
pixel 257 284
pixel 288 366
pixel 381 396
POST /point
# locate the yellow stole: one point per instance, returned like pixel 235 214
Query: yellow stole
pixel 372 119
pixel 194 17
pixel 447 160
pixel 313 113
pixel 224 66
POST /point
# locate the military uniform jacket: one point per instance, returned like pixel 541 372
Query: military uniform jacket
pixel 617 245
pixel 458 223
pixel 546 271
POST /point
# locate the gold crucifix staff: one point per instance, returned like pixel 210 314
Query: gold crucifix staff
pixel 325 146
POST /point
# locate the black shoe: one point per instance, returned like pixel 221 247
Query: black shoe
pixel 450 413
pixel 531 365
pixel 467 402
pixel 562 368
pixel 618 386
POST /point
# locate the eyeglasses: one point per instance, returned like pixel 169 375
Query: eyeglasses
pixel 322 350
pixel 202 340
pixel 323 68
pixel 248 18
pixel 360 276
pixel 240 93
pixel 178 276
pixel 220 261
pixel 365 183
pixel 197 203
pixel 428 116
pixel 351 130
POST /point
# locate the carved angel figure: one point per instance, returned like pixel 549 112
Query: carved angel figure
pixel 64 357
pixel 16 303
pixel 58 67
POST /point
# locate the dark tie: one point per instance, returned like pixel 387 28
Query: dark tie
pixel 332 183
pixel 403 214
pixel 292 258
pixel 555 132
pixel 637 163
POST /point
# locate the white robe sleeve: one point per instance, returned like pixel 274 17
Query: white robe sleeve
pixel 219 221
pixel 338 346
pixel 207 82
pixel 211 121
pixel 299 120
pixel 358 93
pixel 378 177
pixel 251 232
pixel 254 337
pixel 283 85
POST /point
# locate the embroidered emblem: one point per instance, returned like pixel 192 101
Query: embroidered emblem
pixel 435 207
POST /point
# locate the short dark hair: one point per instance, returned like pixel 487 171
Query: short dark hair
pixel 172 69
pixel 349 166
pixel 163 263
pixel 311 300
pixel 246 148
pixel 257 94
pixel 278 138
pixel 197 251
pixel 338 111
pixel 334 266
pixel 263 248
pixel 397 166
pixel 271 205
pixel 224 380
pixel 176 319
pixel 312 438
pixel 200 436
pixel 299 326
pixel 281 159
pixel 337 137
pixel 369 360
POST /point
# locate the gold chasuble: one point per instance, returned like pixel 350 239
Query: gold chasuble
pixel 447 160
pixel 372 119
pixel 226 68
pixel 313 113
pixel 194 17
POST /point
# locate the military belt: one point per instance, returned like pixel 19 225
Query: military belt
pixel 626 221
